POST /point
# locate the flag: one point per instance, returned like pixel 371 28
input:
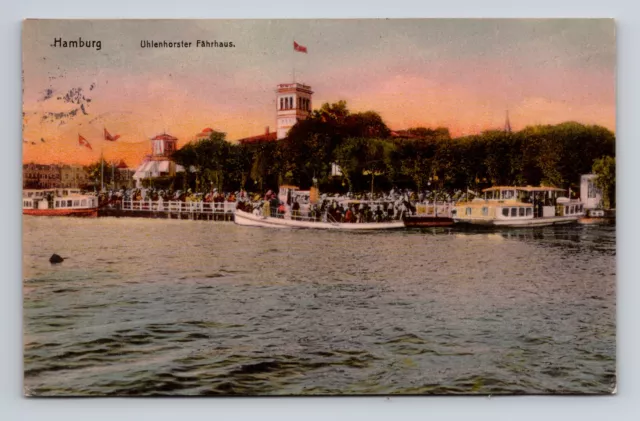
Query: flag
pixel 84 142
pixel 299 48
pixel 108 136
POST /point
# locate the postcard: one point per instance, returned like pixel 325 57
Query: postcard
pixel 319 207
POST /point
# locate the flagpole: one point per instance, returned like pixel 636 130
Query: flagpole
pixel 101 167
pixel 293 60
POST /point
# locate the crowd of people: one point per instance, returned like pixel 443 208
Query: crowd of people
pixel 349 207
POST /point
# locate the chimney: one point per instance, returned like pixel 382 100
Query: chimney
pixel 266 130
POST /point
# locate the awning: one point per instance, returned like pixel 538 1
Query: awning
pixel 163 166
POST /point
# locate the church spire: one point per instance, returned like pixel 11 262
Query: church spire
pixel 507 124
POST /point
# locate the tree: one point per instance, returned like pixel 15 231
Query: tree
pixel 359 157
pixel 100 170
pixel 605 169
pixel 208 158
pixel 414 159
pixel 309 149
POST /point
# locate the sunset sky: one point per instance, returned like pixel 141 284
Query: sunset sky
pixel 462 74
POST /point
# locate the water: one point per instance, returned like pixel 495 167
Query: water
pixel 167 307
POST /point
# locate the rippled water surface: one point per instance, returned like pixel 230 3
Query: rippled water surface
pixel 167 307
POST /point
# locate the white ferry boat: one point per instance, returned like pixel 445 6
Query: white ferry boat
pixel 519 207
pixel 58 202
pixel 290 216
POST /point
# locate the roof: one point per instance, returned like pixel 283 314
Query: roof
pixel 266 137
pixel 164 136
pixel 206 132
pixel 404 134
pixel 527 188
pixel 121 165
pixel 502 204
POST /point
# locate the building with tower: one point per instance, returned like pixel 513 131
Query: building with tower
pixel 159 163
pixel 293 103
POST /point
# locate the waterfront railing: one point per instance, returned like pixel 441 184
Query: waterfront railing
pixel 178 206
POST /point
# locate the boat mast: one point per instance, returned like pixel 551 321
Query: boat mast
pixel 101 171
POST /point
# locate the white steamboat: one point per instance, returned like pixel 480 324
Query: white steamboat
pixel 519 207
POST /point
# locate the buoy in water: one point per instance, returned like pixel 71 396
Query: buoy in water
pixel 56 259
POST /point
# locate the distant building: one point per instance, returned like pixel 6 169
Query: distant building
pixel 590 194
pixel 403 134
pixel 39 176
pixel 159 163
pixel 123 176
pixel 204 134
pixel 268 136
pixel 73 176
pixel 293 103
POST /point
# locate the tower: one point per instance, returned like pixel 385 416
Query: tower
pixel 293 103
pixel 507 124
pixel 163 145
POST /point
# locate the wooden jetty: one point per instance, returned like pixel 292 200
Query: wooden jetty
pixel 207 211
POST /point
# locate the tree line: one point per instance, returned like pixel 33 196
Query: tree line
pixel 372 157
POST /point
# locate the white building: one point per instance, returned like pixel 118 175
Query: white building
pixel 590 194
pixel 159 163
pixel 293 103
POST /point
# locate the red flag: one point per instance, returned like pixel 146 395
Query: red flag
pixel 84 142
pixel 107 136
pixel 299 48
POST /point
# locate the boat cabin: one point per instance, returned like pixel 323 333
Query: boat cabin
pixel 75 202
pixel 506 203
pixel 66 202
pixel 289 194
pixel 52 192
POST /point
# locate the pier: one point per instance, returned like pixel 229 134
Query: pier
pixel 208 211
pixel 427 214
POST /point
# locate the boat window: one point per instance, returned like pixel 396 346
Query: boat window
pixel 505 211
pixel 520 211
pixel 485 211
pixel 84 202
pixel 76 203
pixel 566 210
pixel 69 203
pixel 514 212
pixel 467 211
pixel 529 211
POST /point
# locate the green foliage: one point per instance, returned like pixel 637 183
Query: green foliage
pixel 422 158
pixel 359 157
pixel 605 169
pixel 94 171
